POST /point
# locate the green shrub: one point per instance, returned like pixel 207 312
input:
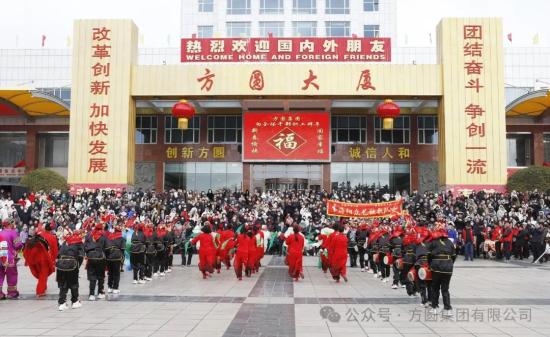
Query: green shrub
pixel 528 179
pixel 44 180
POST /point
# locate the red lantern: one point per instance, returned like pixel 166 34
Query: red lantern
pixel 183 111
pixel 388 111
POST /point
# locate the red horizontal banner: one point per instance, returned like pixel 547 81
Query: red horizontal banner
pixel 285 136
pixel 372 210
pixel 296 49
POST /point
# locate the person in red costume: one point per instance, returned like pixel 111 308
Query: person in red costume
pixel 226 244
pixel 295 253
pixel 207 251
pixel 40 253
pixel 241 255
pixel 259 238
pixel 338 254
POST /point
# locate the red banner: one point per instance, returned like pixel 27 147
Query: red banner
pixel 285 136
pixel 297 49
pixel 373 210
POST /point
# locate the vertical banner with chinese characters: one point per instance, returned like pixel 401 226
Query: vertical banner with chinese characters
pixel 285 136
pixel 102 118
pixel 472 137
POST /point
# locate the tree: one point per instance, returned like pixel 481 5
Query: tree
pixel 528 179
pixel 44 180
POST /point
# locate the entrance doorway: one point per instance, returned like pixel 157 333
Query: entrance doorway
pixel 286 177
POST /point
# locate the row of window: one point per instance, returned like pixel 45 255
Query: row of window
pixel 277 28
pixel 228 129
pixel 235 7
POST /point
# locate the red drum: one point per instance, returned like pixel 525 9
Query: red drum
pixel 388 259
pixel 399 263
pixel 411 275
pixel 376 258
pixel 424 273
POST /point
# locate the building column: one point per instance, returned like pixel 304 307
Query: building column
pixel 327 186
pixel 246 176
pixel 31 150
pixel 538 148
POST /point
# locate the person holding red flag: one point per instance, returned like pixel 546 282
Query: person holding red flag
pixel 207 250
pixel 338 254
pixel 295 253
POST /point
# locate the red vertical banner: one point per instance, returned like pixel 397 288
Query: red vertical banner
pixel 284 136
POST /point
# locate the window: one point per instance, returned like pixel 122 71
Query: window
pixel 519 149
pixel 224 129
pixel 349 129
pixel 202 176
pixel 370 5
pixel 238 29
pixel 337 28
pixel 388 176
pixel 146 130
pixel 271 7
pixel 54 147
pixel 276 28
pixel 546 142
pixel 174 135
pixel 238 6
pixel 304 7
pixel 205 31
pixel 206 6
pixel 371 31
pixel 400 134
pixel 12 150
pixel 337 7
pixel 427 130
pixel 304 28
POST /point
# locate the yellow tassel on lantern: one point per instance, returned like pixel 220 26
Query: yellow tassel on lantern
pixel 387 123
pixel 183 123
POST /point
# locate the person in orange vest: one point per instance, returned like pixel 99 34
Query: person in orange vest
pixel 207 250
pixel 295 252
pixel 338 254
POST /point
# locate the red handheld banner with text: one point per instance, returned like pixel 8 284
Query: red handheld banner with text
pixel 371 210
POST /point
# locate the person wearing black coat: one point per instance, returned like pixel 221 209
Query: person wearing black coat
pixel 94 247
pixel 385 247
pixel 352 246
pixel 361 236
pixel 441 256
pixel 114 251
pixel 69 260
pixel 137 254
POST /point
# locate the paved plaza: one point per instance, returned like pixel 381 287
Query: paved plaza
pixel 489 298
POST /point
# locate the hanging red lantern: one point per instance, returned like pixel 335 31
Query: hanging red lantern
pixel 388 111
pixel 183 111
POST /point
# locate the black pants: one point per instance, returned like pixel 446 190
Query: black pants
pixel 424 288
pixel 410 286
pixel 170 260
pixel 149 263
pixel 96 275
pixel 536 248
pixel 397 278
pixel 186 261
pixel 507 248
pixel 440 281
pixel 373 265
pixel 362 252
pixel 113 268
pixel 384 269
pixel 352 257
pixel 138 265
pixel 478 246
pixel 159 262
pixel 498 247
pixel 67 280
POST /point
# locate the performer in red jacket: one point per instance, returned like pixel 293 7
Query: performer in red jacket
pixel 207 251
pixel 40 253
pixel 295 253
pixel 338 254
pixel 225 245
pixel 259 239
pixel 241 256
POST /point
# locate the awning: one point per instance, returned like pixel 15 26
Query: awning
pixel 33 103
pixel 532 104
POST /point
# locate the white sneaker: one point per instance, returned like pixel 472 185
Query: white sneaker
pixel 385 280
pixel 370 271
pixel 447 313
pixel 91 298
pixel 362 270
pixel 156 275
pixel 168 270
pixel 135 282
pixel 375 276
pixel 148 279
pixel 427 305
pixel 77 305
pixel 141 282
pixel 100 296
pixel 109 290
pixel 116 291
pixel 63 307
pixel 403 286
pixel 433 311
pixel 162 274
pixel 394 286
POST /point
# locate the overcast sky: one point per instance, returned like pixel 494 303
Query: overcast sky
pixel 24 22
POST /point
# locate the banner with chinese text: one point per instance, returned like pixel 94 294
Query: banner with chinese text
pixel 285 136
pixel 297 49
pixel 371 210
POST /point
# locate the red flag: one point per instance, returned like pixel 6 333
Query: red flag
pixel 509 37
pixel 43 40
pixel 20 164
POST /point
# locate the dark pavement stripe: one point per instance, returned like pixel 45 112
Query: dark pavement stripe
pixel 263 320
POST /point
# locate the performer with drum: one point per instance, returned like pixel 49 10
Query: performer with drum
pixel 422 267
pixel 442 257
